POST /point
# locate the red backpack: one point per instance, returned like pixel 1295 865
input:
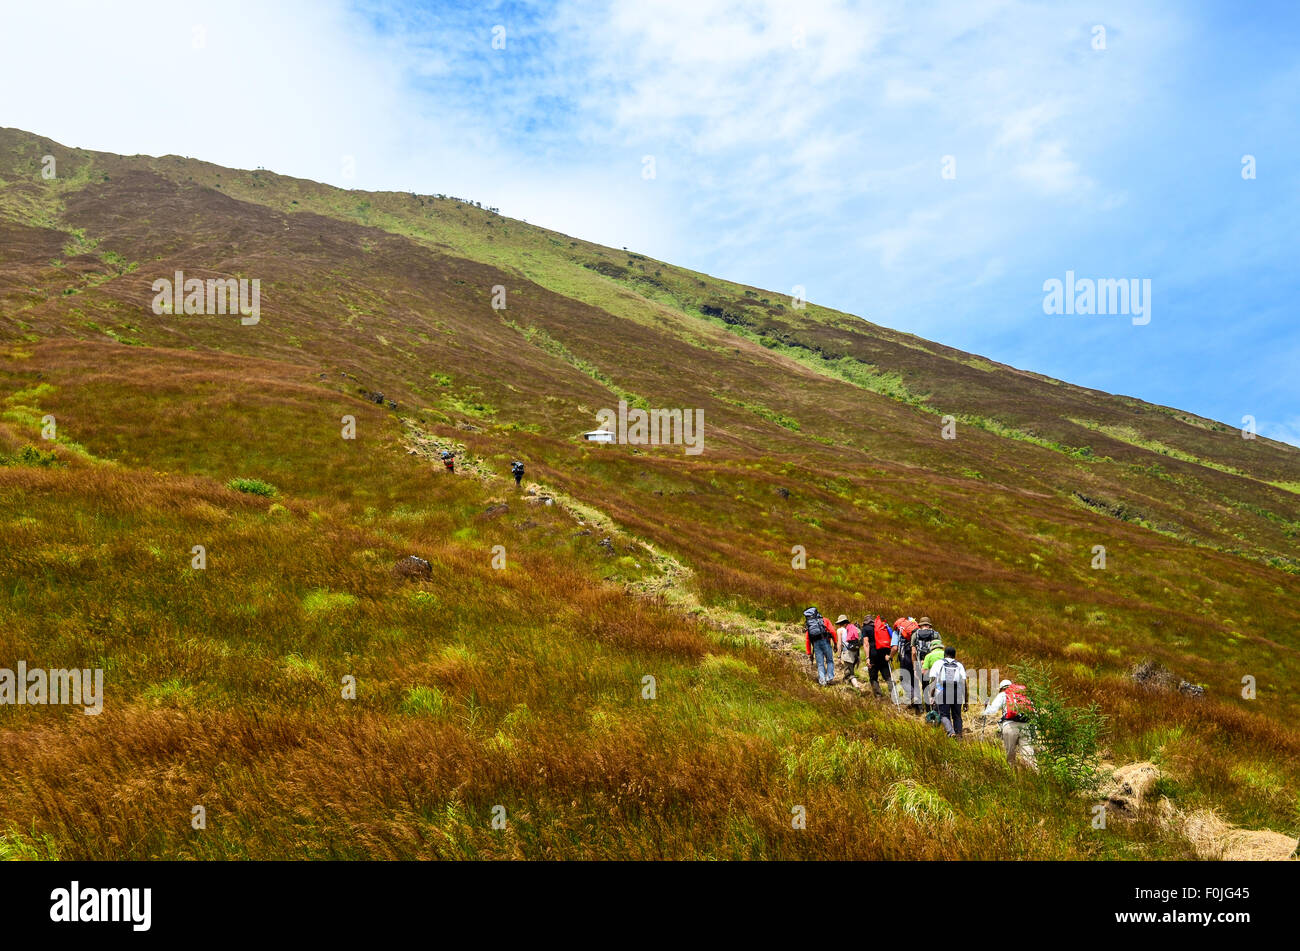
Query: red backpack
pixel 1018 704
pixel 881 633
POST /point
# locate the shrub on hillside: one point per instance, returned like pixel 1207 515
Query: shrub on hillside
pixel 29 455
pixel 252 486
pixel 1066 739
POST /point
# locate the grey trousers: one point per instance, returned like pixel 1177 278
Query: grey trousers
pixel 1015 736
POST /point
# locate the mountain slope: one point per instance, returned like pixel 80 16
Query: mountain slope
pixel 821 431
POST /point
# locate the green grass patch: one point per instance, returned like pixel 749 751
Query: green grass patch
pixel 253 487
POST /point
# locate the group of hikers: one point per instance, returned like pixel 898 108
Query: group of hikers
pixel 932 679
pixel 516 467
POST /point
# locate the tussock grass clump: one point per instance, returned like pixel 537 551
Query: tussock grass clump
pixel 919 802
pixel 322 600
pixel 424 701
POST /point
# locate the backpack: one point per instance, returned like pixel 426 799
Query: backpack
pixel 905 630
pixel 950 685
pixel 946 671
pixel 923 636
pixel 881 640
pixel 817 629
pixel 1018 704
pixel 516 467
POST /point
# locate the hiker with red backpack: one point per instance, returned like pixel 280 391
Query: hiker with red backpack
pixel 1012 706
pixel 820 643
pixel 850 648
pixel 882 642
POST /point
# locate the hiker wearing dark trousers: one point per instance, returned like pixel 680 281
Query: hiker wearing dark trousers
pixel 882 641
pixel 449 460
pixel 1012 706
pixel 949 679
pixel 922 643
pixel 517 470
pixel 907 677
pixel 850 648
pixel 820 643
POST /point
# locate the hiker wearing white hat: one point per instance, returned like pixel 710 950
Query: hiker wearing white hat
pixel 1012 707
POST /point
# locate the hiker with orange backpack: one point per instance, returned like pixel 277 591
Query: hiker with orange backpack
pixel 909 681
pixel 850 648
pixel 923 641
pixel 820 642
pixel 882 642
pixel 1012 706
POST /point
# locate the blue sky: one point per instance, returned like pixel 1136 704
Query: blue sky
pixel 796 143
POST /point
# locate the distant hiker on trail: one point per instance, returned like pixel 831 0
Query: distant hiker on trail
pixel 949 679
pixel 923 639
pixel 517 470
pixel 882 642
pixel 820 643
pixel 1012 706
pixel 910 683
pixel 850 648
pixel 449 460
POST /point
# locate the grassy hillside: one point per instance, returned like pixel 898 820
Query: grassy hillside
pixel 523 686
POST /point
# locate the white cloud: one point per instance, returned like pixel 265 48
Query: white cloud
pixel 1287 430
pixel 1024 126
pixel 1052 172
pixel 899 92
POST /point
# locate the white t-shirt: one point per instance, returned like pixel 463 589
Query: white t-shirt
pixel 949 671
pixel 998 705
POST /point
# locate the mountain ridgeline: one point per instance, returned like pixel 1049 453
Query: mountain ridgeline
pixel 611 669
